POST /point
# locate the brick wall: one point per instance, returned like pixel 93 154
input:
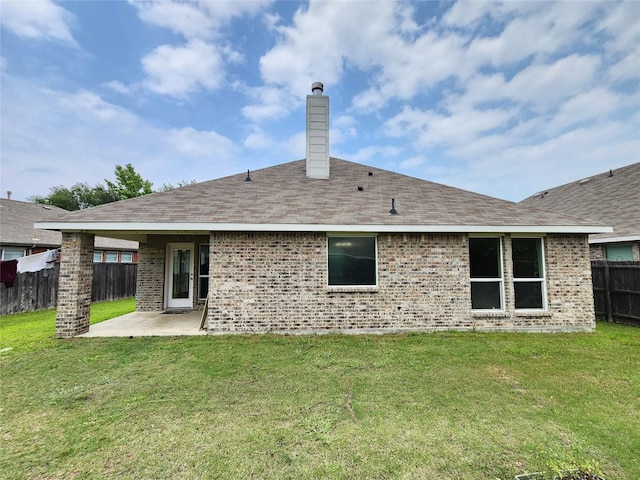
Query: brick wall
pixel 263 282
pixel 74 284
pixel 597 252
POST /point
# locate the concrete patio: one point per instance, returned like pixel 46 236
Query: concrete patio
pixel 149 324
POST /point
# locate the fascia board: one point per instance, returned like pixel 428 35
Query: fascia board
pixel 124 227
pixel 630 238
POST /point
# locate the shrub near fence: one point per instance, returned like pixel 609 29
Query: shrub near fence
pixel 616 291
pixel 39 290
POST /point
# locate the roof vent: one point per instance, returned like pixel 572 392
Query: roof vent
pixel 393 210
pixel 248 179
pixel 610 173
pixel 586 180
pixel 317 88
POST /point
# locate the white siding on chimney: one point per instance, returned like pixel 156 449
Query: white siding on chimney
pixel 317 136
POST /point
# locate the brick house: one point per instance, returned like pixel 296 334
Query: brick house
pixel 611 197
pixel 18 238
pixel 327 245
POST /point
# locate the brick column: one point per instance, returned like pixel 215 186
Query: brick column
pixel 74 284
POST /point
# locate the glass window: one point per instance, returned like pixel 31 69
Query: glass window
pixel 620 253
pixel 485 259
pixel 12 253
pixel 528 273
pixel 352 261
pixel 126 257
pixel 111 257
pixel 97 257
pixel 203 272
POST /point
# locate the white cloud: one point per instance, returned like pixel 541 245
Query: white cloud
pixel 374 152
pixel 195 143
pixel 413 162
pixel 198 19
pixel 259 140
pixel 592 105
pixel 272 103
pixel 179 71
pixel 529 29
pixel 58 138
pixel 119 87
pixel 342 129
pixel 201 62
pixel 183 18
pixel 544 85
pixel 626 69
pixel 40 20
pixel 319 42
pixel 91 107
pixel 623 26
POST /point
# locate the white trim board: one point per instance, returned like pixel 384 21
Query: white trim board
pixel 186 227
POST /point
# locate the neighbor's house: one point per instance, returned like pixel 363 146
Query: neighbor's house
pixel 18 237
pixel 323 244
pixel 612 198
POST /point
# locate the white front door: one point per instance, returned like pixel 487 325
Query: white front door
pixel 180 275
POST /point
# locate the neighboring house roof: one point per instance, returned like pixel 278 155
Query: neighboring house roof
pixel 17 227
pixel 612 198
pixel 281 198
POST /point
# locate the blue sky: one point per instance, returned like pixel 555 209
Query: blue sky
pixel 501 98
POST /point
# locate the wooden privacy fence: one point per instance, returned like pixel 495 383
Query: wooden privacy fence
pixel 616 291
pixel 39 290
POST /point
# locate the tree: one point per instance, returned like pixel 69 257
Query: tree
pixel 60 197
pixel 169 186
pixel 129 183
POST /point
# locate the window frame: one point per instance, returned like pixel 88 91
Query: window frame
pixel 201 277
pixel 111 252
pixel 373 286
pixel 95 253
pixel 13 250
pixel 500 280
pixel 542 279
pixel 608 251
pixel 126 257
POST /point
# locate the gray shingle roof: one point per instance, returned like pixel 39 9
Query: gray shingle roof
pixel 612 200
pixel 284 195
pixel 16 227
pixel 16 222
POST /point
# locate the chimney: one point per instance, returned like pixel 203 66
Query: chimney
pixel 317 133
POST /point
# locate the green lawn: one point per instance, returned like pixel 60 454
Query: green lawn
pixel 427 406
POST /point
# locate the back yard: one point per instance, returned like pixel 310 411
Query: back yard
pixel 443 405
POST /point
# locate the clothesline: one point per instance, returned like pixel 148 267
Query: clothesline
pixel 9 269
pixel 39 261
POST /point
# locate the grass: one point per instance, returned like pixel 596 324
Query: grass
pixel 35 330
pixel 444 405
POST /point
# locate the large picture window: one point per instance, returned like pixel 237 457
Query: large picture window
pixel 528 273
pixel 487 283
pixel 352 261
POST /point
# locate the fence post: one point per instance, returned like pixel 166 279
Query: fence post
pixel 607 292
